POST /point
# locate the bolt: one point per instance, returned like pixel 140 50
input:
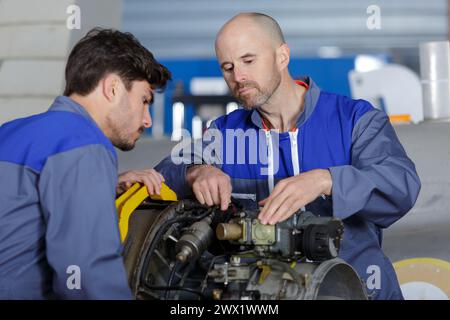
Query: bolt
pixel 184 254
pixel 217 294
pixel 235 260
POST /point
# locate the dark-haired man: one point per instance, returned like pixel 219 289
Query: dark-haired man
pixel 59 234
pixel 336 156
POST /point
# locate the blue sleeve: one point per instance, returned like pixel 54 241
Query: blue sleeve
pixel 188 153
pixel 77 190
pixel 381 184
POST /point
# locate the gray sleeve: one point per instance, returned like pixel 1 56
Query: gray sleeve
pixel 381 184
pixel 83 247
pixel 188 153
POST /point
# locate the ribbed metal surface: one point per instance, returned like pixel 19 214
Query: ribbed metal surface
pixel 180 28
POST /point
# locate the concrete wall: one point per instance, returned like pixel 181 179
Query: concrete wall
pixel 34 44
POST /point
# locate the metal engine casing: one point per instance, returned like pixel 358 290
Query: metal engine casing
pixel 186 243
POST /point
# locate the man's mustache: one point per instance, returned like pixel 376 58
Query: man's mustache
pixel 247 84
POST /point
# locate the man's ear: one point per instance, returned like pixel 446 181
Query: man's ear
pixel 283 56
pixel 110 86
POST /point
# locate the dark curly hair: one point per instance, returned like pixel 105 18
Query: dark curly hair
pixel 103 51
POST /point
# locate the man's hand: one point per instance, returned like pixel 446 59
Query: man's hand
pixel 151 178
pixel 210 185
pixel 291 194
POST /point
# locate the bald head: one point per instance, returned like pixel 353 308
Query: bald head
pixel 253 57
pixel 266 25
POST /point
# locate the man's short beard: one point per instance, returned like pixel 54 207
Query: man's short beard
pixel 118 138
pixel 263 96
pixel 257 101
pixel 120 142
pixel 124 145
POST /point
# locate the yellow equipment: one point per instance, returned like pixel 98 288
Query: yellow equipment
pixel 424 278
pixel 132 198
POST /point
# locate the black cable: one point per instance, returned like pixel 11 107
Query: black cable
pixel 173 288
pixel 171 276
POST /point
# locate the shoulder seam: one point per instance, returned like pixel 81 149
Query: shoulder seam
pixel 77 148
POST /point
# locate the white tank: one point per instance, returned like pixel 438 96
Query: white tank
pixel 435 75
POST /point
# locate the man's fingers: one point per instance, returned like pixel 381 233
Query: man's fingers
pixel 153 183
pixel 268 206
pixel 266 203
pixel 279 188
pixel 225 196
pixel 284 210
pixel 157 176
pixel 293 208
pixel 151 178
pixel 264 211
pixel 200 197
pixel 278 194
pixel 263 202
pixel 208 198
pixel 147 181
pixel 156 184
pixel 213 188
pixel 202 188
pixel 213 184
pixel 155 173
pixel 272 207
pixel 198 193
pixel 287 214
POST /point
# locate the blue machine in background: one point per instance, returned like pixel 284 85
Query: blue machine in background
pixel 331 74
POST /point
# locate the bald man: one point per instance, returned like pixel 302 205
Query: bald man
pixel 326 153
